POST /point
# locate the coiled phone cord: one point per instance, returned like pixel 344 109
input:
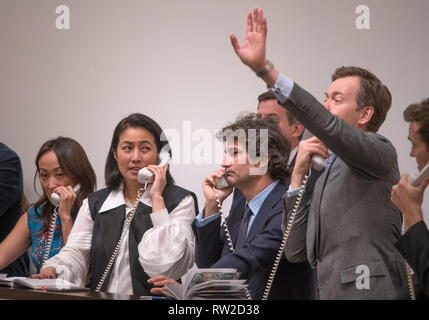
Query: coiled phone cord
pixel 408 271
pixel 228 236
pixel 127 224
pixel 285 238
pixel 51 234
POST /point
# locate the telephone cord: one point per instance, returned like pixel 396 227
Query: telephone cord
pixel 51 235
pixel 408 271
pixel 285 238
pixel 228 236
pixel 127 224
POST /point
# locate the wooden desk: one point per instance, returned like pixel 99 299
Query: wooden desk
pixel 29 294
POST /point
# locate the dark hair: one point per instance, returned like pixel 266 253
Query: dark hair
pixel 269 95
pixel 112 174
pixel 278 146
pixel 75 164
pixel 371 93
pixel 419 112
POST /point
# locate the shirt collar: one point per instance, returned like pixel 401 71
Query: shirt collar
pixel 292 155
pixel 256 203
pixel 116 199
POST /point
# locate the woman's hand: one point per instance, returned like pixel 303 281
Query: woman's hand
pixel 45 273
pixel 67 200
pixel 159 183
pixel 159 284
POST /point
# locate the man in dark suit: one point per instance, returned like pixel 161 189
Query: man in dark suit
pixel 254 221
pixel 291 128
pixel 11 194
pixel 414 244
pixel 348 228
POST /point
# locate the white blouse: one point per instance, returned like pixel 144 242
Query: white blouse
pixel 166 249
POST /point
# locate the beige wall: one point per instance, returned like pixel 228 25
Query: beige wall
pixel 173 61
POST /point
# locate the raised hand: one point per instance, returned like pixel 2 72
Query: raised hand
pixel 252 52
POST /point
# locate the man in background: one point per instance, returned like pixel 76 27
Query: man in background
pixel 414 244
pixel 11 198
pixel 289 126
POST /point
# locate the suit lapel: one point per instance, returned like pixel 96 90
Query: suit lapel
pixel 316 221
pixel 267 206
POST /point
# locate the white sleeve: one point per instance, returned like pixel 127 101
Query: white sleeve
pixel 168 248
pixel 72 262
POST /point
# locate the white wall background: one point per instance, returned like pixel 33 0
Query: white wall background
pixel 172 60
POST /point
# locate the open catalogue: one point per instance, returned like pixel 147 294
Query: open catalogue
pixel 208 284
pixel 38 284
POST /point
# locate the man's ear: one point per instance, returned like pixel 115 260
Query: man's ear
pixel 366 114
pixel 298 128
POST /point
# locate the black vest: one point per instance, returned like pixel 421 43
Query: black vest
pixel 108 228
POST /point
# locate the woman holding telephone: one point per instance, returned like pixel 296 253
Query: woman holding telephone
pixel 136 228
pixel 63 168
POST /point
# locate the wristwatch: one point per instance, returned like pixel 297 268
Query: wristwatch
pixel 267 68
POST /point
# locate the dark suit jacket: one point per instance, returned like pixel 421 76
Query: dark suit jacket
pixel 11 193
pixel 414 246
pixel 256 258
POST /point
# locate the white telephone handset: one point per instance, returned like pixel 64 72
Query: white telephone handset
pixel 221 183
pixel 144 174
pixel 318 162
pixel 416 179
pixel 55 197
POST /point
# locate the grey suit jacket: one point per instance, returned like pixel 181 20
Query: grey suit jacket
pixel 349 226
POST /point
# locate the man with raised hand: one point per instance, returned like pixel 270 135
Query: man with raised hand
pixel 348 228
